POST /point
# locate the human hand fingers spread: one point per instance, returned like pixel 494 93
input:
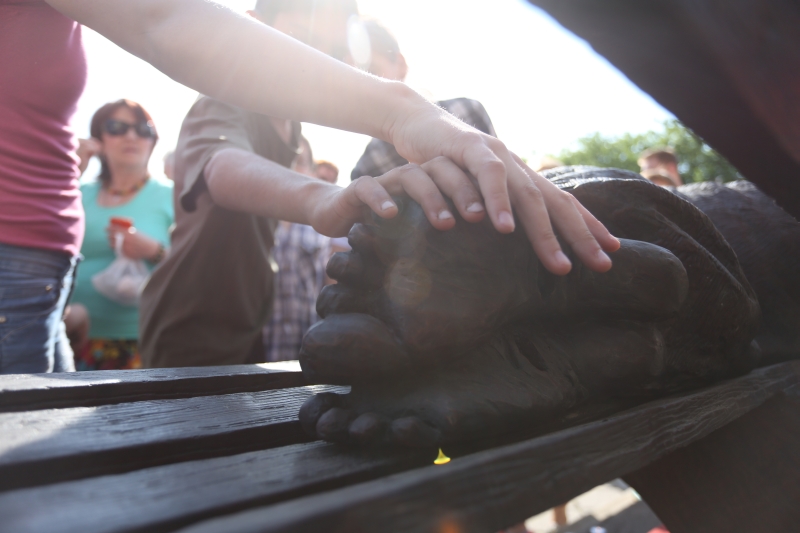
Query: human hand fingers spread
pixel 416 183
pixel 367 191
pixel 430 132
pixel 607 241
pixel 488 160
pixel 426 131
pixel 335 212
pixel 455 184
pixel 529 203
pixel 560 210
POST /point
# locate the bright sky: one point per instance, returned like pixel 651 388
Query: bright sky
pixel 542 86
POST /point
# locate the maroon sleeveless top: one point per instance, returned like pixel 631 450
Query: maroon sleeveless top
pixel 42 75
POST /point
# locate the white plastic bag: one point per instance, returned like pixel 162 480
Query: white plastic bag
pixel 122 281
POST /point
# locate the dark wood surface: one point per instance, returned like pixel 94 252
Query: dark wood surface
pixel 494 489
pixel 26 392
pixel 728 70
pixel 163 498
pixel 742 478
pixel 54 445
pixel 213 463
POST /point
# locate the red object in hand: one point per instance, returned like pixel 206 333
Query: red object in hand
pixel 121 222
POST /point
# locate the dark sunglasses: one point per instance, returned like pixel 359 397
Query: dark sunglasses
pixel 116 128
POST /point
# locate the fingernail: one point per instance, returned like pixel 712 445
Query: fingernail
pixel 506 219
pixel 475 207
pixel 602 256
pixel 562 258
pixel 387 205
pixel 444 215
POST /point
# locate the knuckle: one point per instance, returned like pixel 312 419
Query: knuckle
pixel 360 182
pixel 407 171
pixel 439 161
pixel 531 192
pixel 497 196
pixel 362 188
pixel 496 144
pixel 495 168
pixel 468 196
pixel 547 235
pixel 564 200
pixel 584 238
pixel 441 166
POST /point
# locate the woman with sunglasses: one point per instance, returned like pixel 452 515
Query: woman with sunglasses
pixel 126 203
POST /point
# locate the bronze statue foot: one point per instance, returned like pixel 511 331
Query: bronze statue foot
pixel 522 377
pixel 448 336
pixel 358 341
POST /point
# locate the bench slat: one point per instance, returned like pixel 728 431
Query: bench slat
pixel 27 392
pixel 743 477
pixel 54 445
pixel 494 489
pixel 165 497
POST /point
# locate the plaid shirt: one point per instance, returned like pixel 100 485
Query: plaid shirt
pixel 380 157
pixel 301 254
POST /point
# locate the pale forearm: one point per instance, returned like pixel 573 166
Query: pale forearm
pixel 233 58
pixel 242 181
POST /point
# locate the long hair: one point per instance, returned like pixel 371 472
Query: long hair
pixel 99 120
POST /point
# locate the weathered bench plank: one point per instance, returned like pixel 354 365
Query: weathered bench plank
pixel 163 498
pixel 54 445
pixel 744 477
pixel 494 489
pixel 27 392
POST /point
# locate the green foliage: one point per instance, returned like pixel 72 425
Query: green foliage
pixel 697 160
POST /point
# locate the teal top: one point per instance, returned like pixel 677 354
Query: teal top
pixel 152 214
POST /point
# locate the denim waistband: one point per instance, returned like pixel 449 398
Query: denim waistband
pixel 35 261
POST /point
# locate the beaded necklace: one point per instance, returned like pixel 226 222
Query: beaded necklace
pixel 137 187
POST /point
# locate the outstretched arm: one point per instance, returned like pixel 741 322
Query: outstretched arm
pixel 240 180
pixel 219 53
pixel 237 59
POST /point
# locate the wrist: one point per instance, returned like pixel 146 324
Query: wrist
pixel 315 195
pixel 402 102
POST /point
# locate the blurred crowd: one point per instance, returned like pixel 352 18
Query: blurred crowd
pixel 176 269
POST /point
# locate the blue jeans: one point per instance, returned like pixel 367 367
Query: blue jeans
pixel 34 288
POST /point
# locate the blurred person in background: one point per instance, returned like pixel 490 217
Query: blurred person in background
pixel 326 171
pixel 211 300
pixel 387 62
pixel 547 162
pixel 219 53
pixel 124 203
pixel 660 165
pixel 169 165
pixel 658 178
pixel 301 255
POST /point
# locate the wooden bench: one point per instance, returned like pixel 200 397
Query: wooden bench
pixel 220 450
